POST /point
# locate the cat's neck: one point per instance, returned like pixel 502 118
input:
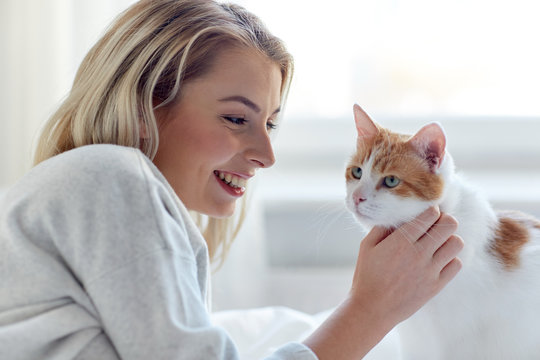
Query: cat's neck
pixel 472 210
pixel 461 198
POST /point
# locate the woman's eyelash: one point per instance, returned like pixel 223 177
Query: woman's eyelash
pixel 241 121
pixel 271 126
pixel 235 120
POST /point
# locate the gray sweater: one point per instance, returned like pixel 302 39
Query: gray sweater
pixel 99 259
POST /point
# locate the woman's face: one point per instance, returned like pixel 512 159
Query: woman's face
pixel 212 141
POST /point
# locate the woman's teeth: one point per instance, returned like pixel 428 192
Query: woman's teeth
pixel 231 180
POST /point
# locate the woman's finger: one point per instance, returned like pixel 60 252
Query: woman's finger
pixel 449 272
pixel 375 236
pixel 437 235
pixel 448 251
pixel 413 230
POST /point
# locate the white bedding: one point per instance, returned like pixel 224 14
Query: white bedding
pixel 257 331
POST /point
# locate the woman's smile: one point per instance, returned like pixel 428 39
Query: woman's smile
pixel 232 183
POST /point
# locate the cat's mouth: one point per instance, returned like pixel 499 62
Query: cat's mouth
pixel 363 217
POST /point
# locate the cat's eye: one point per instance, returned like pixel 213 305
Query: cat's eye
pixel 391 181
pixel 356 172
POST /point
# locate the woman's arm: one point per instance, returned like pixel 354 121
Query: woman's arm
pixel 396 274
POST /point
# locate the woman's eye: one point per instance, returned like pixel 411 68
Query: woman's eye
pixel 235 120
pixel 356 172
pixel 270 125
pixel 391 181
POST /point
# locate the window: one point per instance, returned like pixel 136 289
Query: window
pixel 410 57
pixel 469 64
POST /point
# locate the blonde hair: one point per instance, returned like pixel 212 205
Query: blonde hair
pixel 146 56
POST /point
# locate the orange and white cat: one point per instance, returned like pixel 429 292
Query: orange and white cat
pixel 491 310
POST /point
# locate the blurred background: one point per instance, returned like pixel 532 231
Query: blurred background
pixel 472 65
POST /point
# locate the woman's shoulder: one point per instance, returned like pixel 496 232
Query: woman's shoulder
pixel 88 172
pixel 95 158
pixel 100 164
pixel 98 178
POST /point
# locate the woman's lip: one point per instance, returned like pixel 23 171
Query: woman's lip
pixel 240 175
pixel 236 192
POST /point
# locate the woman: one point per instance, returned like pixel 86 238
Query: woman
pixel 171 113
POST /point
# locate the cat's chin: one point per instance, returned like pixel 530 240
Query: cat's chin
pixel 390 219
pixel 365 221
pixel 368 223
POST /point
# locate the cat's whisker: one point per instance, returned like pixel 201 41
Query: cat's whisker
pixel 351 223
pixel 327 215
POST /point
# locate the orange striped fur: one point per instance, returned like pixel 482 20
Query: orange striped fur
pixel 394 155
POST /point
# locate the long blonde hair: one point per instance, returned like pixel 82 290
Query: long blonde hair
pixel 150 51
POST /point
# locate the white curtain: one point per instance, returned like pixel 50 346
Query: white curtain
pixel 42 44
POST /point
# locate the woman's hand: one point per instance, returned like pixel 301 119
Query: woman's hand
pixel 396 274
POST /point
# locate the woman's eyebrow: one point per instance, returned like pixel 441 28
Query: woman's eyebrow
pixel 244 100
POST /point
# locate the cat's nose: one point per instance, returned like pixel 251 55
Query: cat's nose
pixel 358 198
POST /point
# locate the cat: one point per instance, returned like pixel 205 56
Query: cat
pixel 491 309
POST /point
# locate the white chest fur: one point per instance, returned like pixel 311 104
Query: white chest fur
pixel 486 312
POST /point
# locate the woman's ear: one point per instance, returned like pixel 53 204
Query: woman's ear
pixel 364 125
pixel 430 142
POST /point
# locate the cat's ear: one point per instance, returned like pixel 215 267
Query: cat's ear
pixel 430 142
pixel 364 125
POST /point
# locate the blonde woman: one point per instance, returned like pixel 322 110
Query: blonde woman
pixel 169 116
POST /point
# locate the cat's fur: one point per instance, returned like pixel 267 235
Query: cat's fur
pixel 491 310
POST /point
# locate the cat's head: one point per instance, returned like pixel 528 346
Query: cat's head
pixel 391 178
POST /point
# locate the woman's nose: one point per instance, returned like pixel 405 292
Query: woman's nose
pixel 260 151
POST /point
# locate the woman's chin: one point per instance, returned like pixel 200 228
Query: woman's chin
pixel 218 211
pixel 222 211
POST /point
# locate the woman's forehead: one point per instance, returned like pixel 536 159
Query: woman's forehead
pixel 246 73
